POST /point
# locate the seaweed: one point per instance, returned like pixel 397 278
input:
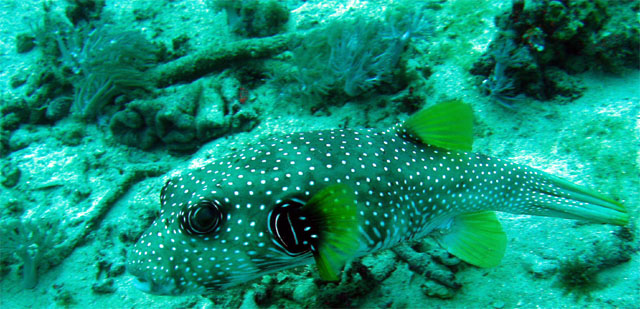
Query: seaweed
pixel 578 274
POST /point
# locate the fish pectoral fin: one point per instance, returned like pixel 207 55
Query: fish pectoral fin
pixel 447 125
pixel 334 209
pixel 476 238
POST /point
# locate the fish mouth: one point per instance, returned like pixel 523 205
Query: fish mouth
pixel 168 287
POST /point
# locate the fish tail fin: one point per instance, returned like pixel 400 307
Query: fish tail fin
pixel 556 197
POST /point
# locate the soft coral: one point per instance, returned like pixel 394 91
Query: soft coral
pixel 361 53
pixel 30 241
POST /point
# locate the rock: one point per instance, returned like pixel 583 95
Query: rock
pixel 229 89
pixel 544 269
pixel 442 256
pixel 248 302
pixel 381 265
pixel 426 265
pixel 19 79
pixel 434 289
pixel 25 42
pixel 540 267
pixel 116 270
pixel 210 119
pixel 10 175
pixel 71 133
pixel 304 291
pixel 20 139
pixel 58 108
pixel 176 128
pixel 103 287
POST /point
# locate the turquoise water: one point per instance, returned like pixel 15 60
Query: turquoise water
pixel 104 102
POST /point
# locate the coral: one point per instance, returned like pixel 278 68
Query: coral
pixel 11 205
pixel 578 276
pixel 539 46
pixel 30 241
pixel 351 56
pixel 563 84
pixel 216 57
pixel 135 125
pixel 254 18
pixel 70 133
pixel 4 142
pixel 617 45
pixel 381 265
pixel 13 112
pixel 84 10
pixel 435 265
pixel 499 86
pixel 356 282
pixel 182 121
pixel 93 60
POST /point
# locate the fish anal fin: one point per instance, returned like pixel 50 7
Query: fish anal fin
pixel 476 238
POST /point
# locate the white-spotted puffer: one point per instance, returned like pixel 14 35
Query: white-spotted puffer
pixel 333 195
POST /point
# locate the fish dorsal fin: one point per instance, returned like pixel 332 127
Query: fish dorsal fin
pixel 335 209
pixel 446 125
pixel 476 238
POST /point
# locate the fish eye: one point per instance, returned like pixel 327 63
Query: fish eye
pixel 202 218
pixel 290 228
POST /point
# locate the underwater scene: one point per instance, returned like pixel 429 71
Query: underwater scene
pixel 319 154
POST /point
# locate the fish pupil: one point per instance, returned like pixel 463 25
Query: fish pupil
pixel 291 228
pixel 204 218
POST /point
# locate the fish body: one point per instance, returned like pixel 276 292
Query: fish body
pixel 402 188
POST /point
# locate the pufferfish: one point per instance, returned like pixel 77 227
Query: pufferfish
pixel 330 196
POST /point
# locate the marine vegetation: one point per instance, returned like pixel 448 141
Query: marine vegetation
pixel 30 241
pixel 579 274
